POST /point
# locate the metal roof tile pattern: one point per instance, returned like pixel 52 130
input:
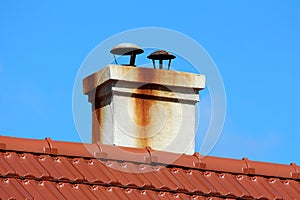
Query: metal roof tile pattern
pixel 76 191
pixel 59 168
pixel 25 165
pixel 5 168
pixel 30 189
pixel 64 170
pixel 41 189
pixel 162 178
pixel 12 189
pixel 128 174
pixel 87 168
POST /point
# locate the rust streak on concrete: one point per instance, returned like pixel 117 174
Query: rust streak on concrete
pixel 142 108
pixel 96 125
pixel 142 118
pixel 98 114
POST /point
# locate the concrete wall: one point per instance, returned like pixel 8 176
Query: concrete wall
pixel 139 107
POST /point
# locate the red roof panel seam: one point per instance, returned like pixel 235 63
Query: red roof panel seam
pixel 168 191
pixel 46 177
pixel 202 170
pixel 297 189
pixel 173 191
pixel 180 181
pixel 10 167
pixel 282 186
pixel 239 183
pixel 99 184
pixel 58 190
pixel 45 184
pixel 4 192
pixel 21 186
pixel 138 188
pixel 250 188
pixel 90 192
pixel 267 186
pixel 49 164
pixel 36 165
pixel 248 169
pixel 222 178
pixel 83 177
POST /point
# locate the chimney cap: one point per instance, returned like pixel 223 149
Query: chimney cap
pixel 161 55
pixel 126 49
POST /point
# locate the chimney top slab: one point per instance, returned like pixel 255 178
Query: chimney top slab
pixel 143 75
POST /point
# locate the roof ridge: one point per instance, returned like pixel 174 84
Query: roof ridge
pixel 149 156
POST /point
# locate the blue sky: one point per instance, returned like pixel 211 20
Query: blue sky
pixel 255 45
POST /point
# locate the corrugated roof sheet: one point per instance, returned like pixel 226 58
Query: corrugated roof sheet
pixel 46 169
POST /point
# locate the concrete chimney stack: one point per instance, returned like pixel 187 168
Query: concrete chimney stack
pixel 143 107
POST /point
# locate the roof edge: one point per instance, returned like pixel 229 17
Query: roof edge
pixel 148 155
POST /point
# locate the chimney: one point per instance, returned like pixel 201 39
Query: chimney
pixel 143 107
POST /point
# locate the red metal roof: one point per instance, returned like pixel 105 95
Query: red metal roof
pixel 46 169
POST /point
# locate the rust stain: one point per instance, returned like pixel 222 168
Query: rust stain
pixel 98 121
pixel 144 98
pixel 142 108
pixel 142 111
pixel 100 98
pixel 142 118
pixel 98 115
pixel 101 118
pixel 96 125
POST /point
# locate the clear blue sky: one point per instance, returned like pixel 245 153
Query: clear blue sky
pixel 255 44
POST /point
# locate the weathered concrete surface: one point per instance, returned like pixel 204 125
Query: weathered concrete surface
pixel 139 107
